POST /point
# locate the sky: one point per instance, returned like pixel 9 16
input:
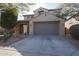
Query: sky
pixel 37 5
pixel 45 5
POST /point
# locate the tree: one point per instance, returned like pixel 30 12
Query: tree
pixel 21 6
pixel 11 10
pixel 68 11
pixel 9 18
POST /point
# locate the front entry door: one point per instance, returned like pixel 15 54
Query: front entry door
pixel 25 29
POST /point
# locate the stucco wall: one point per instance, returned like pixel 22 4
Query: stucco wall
pixel 71 22
pixel 46 18
pixel 62 28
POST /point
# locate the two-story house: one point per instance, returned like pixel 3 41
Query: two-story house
pixel 42 22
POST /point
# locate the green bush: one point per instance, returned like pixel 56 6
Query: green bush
pixel 9 18
pixel 74 31
pixel 7 35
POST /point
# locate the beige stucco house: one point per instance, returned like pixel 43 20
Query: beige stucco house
pixel 43 22
pixel 71 22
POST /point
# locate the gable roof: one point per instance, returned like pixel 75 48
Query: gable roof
pixel 40 8
pixel 43 15
pixel 43 8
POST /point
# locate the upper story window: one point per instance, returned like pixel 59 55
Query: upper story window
pixel 30 17
pixel 40 12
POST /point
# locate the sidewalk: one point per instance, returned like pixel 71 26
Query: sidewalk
pixel 7 51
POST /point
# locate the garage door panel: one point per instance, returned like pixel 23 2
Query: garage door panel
pixel 42 28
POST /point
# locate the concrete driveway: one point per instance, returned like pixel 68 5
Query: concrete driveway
pixel 47 45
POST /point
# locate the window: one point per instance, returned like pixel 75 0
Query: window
pixel 41 12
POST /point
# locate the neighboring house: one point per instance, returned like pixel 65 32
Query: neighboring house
pixel 42 22
pixel 69 23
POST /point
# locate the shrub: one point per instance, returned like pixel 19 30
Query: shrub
pixel 7 35
pixel 9 18
pixel 1 36
pixel 74 31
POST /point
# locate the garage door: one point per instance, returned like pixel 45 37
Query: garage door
pixel 45 28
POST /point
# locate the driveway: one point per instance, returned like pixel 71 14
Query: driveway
pixel 47 45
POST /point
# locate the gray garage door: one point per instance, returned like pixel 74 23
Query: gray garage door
pixel 45 28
